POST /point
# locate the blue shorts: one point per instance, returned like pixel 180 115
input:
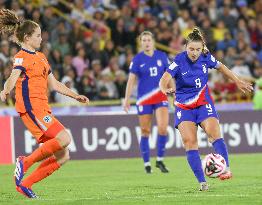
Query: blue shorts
pixel 149 109
pixel 196 115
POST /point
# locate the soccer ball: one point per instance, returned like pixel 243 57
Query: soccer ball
pixel 213 165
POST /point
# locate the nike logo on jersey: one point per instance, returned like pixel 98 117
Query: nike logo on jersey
pixel 184 73
pixel 142 65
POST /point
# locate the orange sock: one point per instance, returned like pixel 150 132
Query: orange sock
pixel 45 169
pixel 47 162
pixel 46 150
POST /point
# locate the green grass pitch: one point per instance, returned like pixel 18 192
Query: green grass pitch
pixel 124 182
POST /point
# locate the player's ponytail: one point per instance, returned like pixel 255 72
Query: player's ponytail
pixel 8 21
pixel 11 25
pixel 196 35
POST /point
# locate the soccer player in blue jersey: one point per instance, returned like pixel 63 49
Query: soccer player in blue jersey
pixel 194 105
pixel 147 67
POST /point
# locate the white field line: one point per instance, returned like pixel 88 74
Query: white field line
pixel 107 197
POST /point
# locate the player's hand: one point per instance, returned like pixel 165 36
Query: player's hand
pixel 82 99
pixel 126 105
pixel 169 91
pixel 3 95
pixel 244 86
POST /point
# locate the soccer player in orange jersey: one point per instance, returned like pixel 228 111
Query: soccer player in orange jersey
pixel 31 75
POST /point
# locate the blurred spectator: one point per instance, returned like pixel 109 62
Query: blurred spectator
pixel 121 80
pixel 226 42
pixel 241 32
pixel 257 69
pixel 4 51
pixel 87 86
pixel 228 19
pixel 76 34
pixel 257 99
pixel 96 54
pixel 65 99
pixel 79 62
pixel 62 45
pixel 219 31
pixel 110 50
pixel 96 68
pixel 111 69
pixel 231 55
pixel 106 87
pixel 119 34
pixel 225 90
pixel 56 62
pixel 241 70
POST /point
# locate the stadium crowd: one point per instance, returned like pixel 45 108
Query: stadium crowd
pixel 91 52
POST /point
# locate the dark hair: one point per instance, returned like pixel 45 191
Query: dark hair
pixel 10 24
pixel 196 35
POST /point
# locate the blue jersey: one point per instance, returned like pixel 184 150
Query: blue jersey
pixel 149 70
pixel 191 79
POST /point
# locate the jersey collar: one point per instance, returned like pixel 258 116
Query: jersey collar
pixel 30 52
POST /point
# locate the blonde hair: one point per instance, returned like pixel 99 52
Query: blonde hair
pixel 146 33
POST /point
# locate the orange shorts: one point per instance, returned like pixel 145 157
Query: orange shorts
pixel 42 124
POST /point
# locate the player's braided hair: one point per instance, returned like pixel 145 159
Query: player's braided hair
pixel 11 25
pixel 196 35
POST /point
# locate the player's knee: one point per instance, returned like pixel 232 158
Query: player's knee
pixel 212 134
pixel 63 156
pixel 145 131
pixel 67 156
pixel 64 139
pixel 189 143
pixel 162 130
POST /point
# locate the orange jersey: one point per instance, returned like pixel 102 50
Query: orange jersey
pixel 31 86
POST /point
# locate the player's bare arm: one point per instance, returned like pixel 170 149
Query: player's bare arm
pixel 241 84
pixel 129 88
pixel 166 84
pixel 61 88
pixel 10 83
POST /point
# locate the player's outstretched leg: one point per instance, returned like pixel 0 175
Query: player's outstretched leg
pixel 194 161
pixel 45 169
pixel 221 148
pixel 145 152
pixel 161 144
pixel 46 150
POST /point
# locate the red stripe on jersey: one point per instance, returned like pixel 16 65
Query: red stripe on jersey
pixel 157 97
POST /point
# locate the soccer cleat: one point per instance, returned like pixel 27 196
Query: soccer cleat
pixel 161 166
pixel 148 169
pixel 226 175
pixel 19 170
pixel 26 191
pixel 203 186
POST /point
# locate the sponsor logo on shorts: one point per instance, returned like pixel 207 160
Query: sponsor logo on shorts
pixel 140 108
pixel 47 119
pixel 179 114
